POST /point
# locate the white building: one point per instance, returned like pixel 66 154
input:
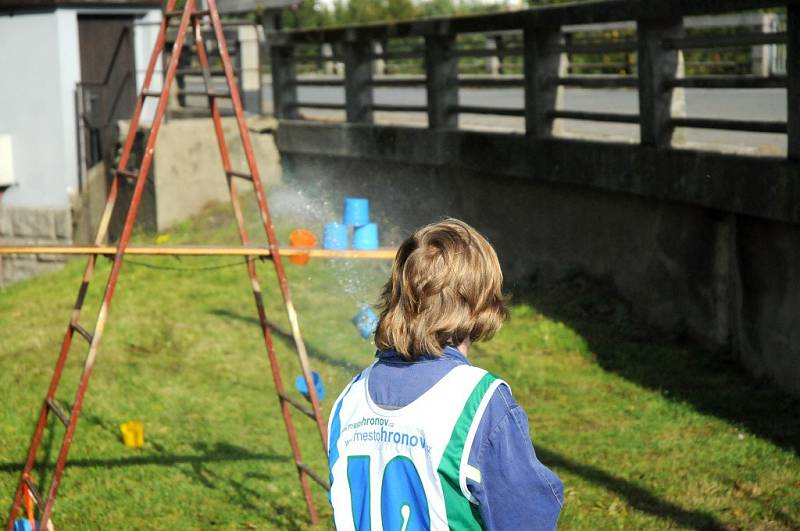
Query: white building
pixel 50 48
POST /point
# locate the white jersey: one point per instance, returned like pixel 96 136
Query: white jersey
pixel 406 469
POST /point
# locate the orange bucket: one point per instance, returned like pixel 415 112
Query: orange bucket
pixel 301 238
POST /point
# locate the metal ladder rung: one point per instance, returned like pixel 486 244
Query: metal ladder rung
pixel 178 13
pixel 127 174
pixel 199 71
pixel 57 411
pixel 82 331
pixel 241 175
pixel 151 93
pixel 313 475
pixel 300 407
pixel 210 94
pixel 34 491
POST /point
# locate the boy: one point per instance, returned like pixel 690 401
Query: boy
pixel 422 439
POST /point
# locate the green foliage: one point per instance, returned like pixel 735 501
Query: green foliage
pixel 363 11
pixel 645 434
pixel 311 14
pixel 308 14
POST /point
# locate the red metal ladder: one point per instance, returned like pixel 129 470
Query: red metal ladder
pixel 189 16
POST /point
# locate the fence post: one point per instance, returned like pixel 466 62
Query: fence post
pixel 657 65
pixel 441 80
pixel 326 51
pixel 357 80
pixel 284 89
pixel 492 62
pixel 761 54
pixel 793 79
pixel 543 64
pixel 378 64
pixel 251 78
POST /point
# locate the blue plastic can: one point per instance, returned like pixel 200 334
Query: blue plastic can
pixel 22 524
pixel 365 237
pixel 356 211
pixel 366 321
pixel 334 236
pixel 300 385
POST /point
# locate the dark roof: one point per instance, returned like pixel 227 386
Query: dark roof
pixel 246 6
pixel 6 5
pixel 225 6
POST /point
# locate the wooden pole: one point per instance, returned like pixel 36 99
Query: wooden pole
pixel 385 253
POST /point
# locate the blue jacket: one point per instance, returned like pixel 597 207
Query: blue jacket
pixel 516 491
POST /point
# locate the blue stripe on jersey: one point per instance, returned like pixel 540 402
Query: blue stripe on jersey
pixel 335 432
pixel 358 479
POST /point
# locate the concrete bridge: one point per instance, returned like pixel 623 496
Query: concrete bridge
pixel 703 244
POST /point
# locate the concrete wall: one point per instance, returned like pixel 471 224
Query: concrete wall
pixel 32 225
pixel 187 169
pixel 722 278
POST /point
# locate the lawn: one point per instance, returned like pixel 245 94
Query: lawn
pixel 645 433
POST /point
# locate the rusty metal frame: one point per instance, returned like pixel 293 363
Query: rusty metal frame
pixel 189 16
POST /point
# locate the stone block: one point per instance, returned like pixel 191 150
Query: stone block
pixel 5 222
pixel 51 257
pixel 62 221
pixel 33 223
pixel 19 268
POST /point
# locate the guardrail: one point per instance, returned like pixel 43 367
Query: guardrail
pixel 656 36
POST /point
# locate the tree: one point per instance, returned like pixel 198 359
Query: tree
pixel 309 14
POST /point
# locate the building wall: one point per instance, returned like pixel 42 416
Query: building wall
pixel 145 33
pixel 40 67
pixel 38 109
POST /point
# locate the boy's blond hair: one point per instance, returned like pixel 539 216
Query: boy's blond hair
pixel 446 286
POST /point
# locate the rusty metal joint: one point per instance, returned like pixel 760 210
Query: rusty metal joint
pixel 300 407
pixel 33 490
pixel 241 175
pixel 128 174
pixel 82 331
pixel 57 411
pixel 313 475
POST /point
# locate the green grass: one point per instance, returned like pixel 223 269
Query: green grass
pixel 645 433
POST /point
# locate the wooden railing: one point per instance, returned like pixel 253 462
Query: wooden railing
pixel 657 38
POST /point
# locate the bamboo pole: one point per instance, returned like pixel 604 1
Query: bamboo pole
pixel 384 253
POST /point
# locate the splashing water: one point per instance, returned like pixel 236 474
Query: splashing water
pixel 312 209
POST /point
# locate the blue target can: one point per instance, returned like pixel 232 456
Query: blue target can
pixel 334 236
pixel 356 211
pixel 365 237
pixel 366 321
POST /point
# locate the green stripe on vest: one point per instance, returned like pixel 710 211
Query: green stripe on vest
pixel 461 514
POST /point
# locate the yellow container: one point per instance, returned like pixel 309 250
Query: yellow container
pixel 132 434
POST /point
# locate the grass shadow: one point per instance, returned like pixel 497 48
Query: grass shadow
pixel 313 351
pixel 220 452
pixel 195 467
pixel 712 383
pixel 637 497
